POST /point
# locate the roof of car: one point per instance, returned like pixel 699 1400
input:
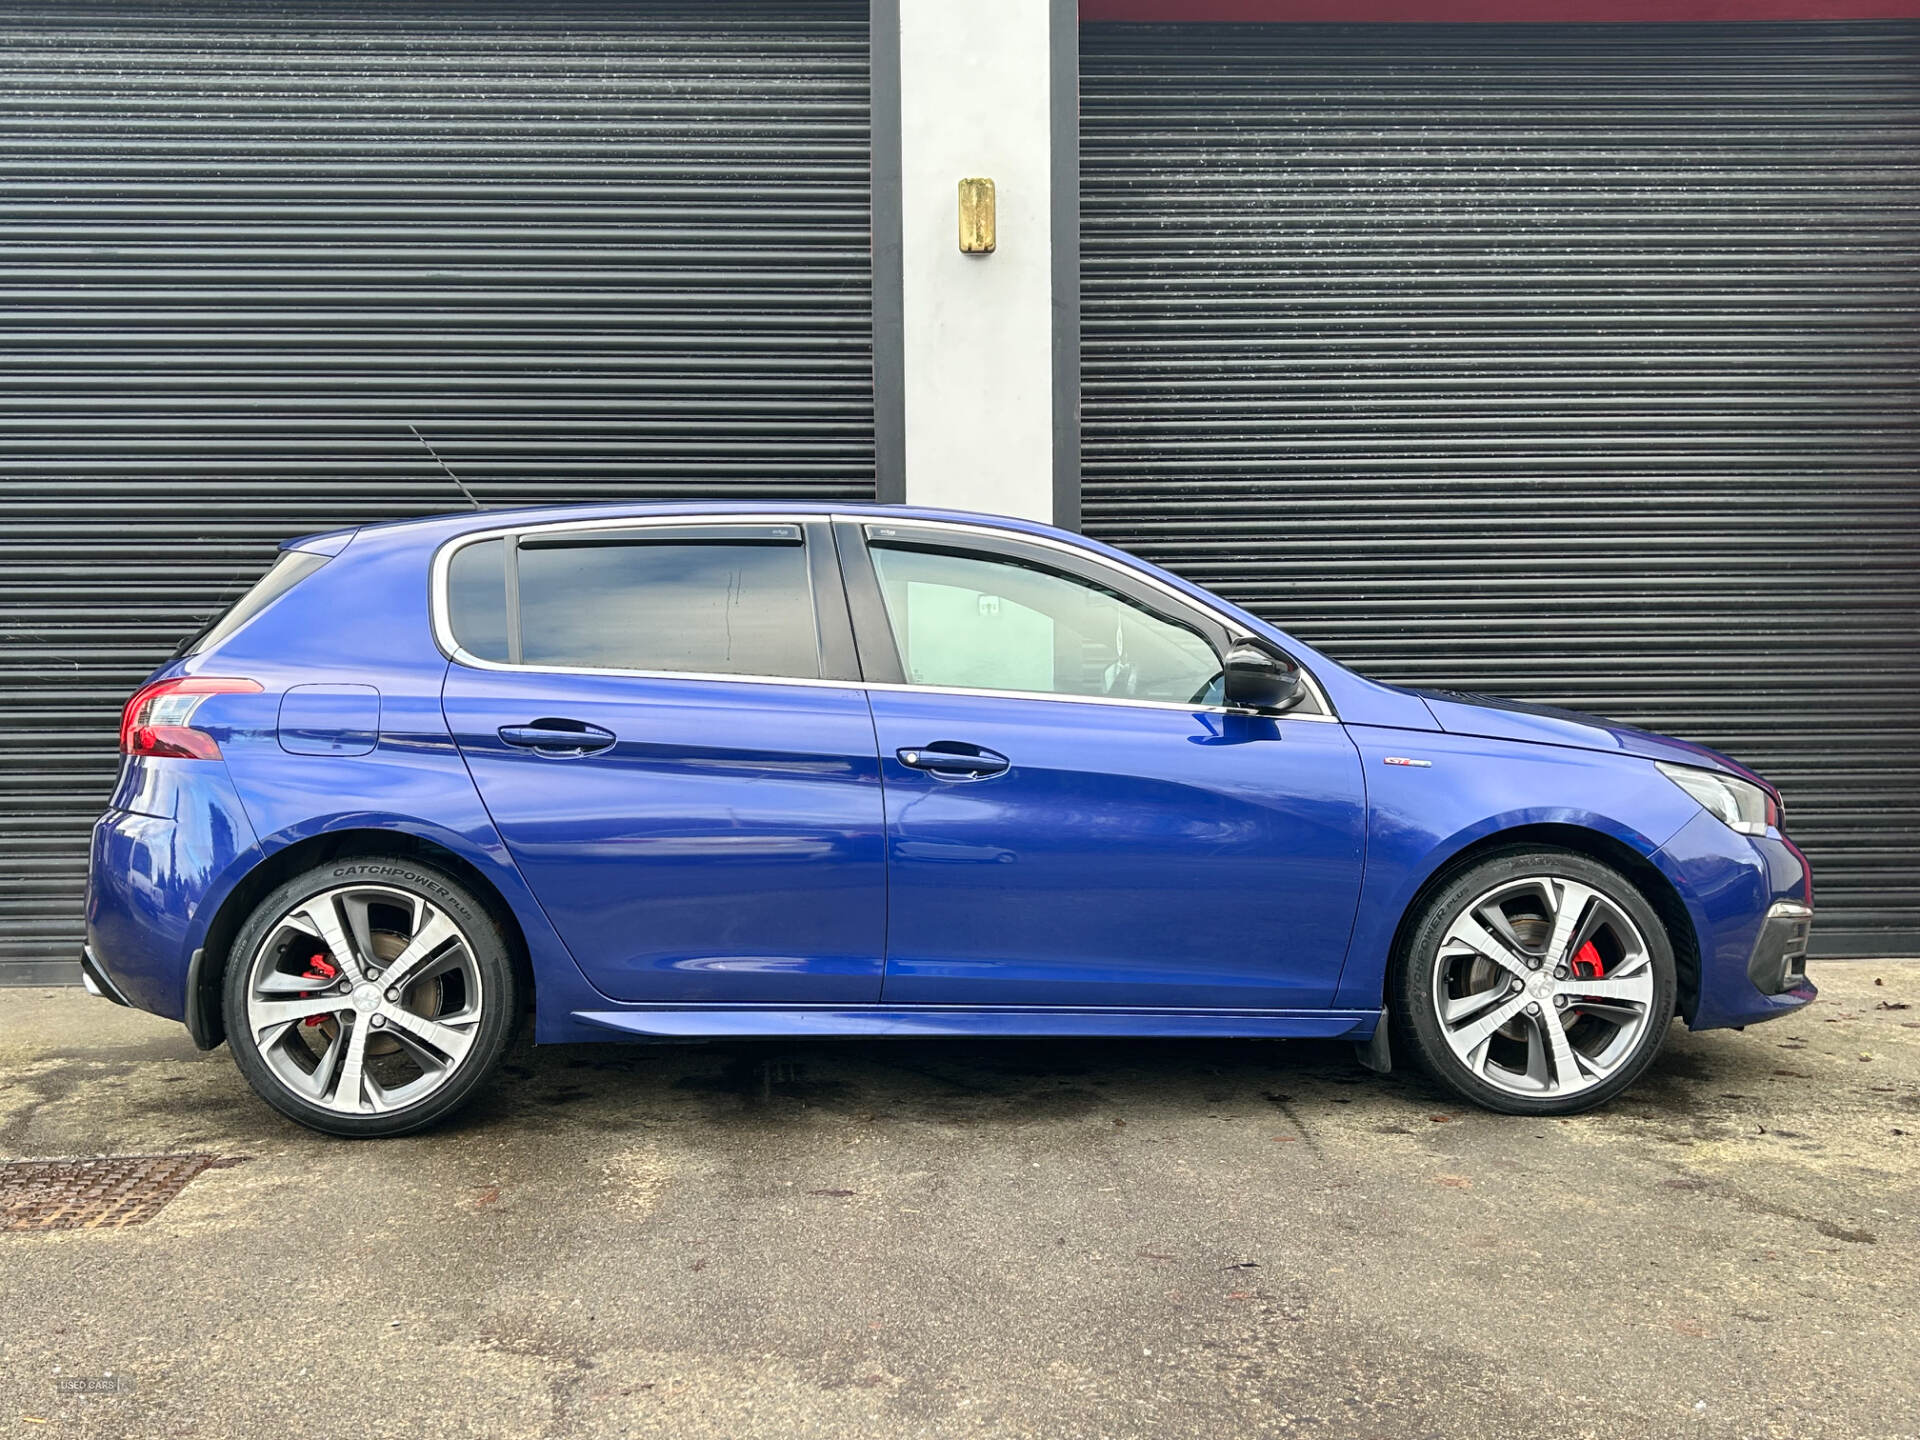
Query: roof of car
pixel 460 522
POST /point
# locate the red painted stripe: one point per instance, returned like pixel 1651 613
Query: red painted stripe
pixel 1483 12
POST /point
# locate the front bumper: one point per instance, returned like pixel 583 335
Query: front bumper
pixel 1750 898
pixel 1778 965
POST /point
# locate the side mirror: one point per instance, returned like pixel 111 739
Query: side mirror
pixel 1258 679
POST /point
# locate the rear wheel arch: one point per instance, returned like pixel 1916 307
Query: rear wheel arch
pixel 1647 878
pixel 204 1008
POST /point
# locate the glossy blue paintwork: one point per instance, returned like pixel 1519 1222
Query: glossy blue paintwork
pixel 753 859
pixel 1474 788
pixel 1542 725
pixel 173 829
pixel 684 1022
pixel 1129 856
pixel 413 782
pixel 727 848
pixel 1728 881
pixel 329 719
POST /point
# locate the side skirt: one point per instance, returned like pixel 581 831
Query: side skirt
pixel 708 1022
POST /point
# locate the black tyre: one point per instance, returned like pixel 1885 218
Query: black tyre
pixel 1535 982
pixel 370 996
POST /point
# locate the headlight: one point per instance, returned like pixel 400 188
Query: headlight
pixel 1743 805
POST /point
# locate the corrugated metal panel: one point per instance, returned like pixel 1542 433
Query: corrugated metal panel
pixel 1573 364
pixel 591 251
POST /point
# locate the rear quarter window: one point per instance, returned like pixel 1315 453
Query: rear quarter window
pixel 289 570
pixel 477 599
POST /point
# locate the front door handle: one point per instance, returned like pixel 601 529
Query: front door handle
pixel 558 738
pixel 954 760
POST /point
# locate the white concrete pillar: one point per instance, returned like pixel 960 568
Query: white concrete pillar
pixel 977 355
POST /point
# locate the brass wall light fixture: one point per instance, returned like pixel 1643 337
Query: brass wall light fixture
pixel 976 217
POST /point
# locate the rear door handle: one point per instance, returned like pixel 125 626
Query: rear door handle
pixel 550 736
pixel 954 760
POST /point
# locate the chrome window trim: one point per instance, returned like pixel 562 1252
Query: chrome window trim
pixel 438 608
pixel 439 584
pixel 1232 627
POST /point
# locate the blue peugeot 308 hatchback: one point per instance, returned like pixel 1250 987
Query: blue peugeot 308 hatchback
pixel 698 771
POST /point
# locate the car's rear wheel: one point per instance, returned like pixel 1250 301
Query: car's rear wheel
pixel 369 996
pixel 1536 982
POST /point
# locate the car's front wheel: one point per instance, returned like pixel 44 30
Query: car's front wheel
pixel 369 996
pixel 1536 982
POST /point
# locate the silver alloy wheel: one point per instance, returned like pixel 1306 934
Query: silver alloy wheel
pixel 364 999
pixel 1544 986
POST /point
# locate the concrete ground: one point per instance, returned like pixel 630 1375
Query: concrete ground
pixel 926 1238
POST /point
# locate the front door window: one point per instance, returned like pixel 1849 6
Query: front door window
pixel 976 622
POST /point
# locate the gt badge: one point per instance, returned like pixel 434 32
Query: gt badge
pixel 1403 760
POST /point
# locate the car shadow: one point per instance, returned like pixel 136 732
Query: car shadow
pixel 940 1080
pixel 966 1081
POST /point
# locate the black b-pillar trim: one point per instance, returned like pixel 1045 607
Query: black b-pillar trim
pixel 872 634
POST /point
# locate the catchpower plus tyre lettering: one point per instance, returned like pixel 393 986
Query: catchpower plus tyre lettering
pixel 370 996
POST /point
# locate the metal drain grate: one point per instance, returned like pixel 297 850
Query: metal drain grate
pixel 90 1194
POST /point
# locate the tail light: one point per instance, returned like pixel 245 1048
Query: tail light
pixel 157 720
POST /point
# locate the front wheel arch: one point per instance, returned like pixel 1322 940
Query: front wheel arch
pixel 206 1017
pixel 1595 845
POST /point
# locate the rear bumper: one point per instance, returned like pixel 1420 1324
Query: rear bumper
pixel 140 899
pixel 154 881
pixel 97 981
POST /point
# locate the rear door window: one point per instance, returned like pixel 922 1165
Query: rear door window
pixel 703 600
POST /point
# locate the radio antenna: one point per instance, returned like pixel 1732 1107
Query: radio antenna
pixel 448 468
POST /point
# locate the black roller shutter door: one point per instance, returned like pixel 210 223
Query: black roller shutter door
pixel 1572 364
pixel 591 251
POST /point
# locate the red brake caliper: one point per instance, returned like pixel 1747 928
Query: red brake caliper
pixel 1587 964
pixel 324 970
